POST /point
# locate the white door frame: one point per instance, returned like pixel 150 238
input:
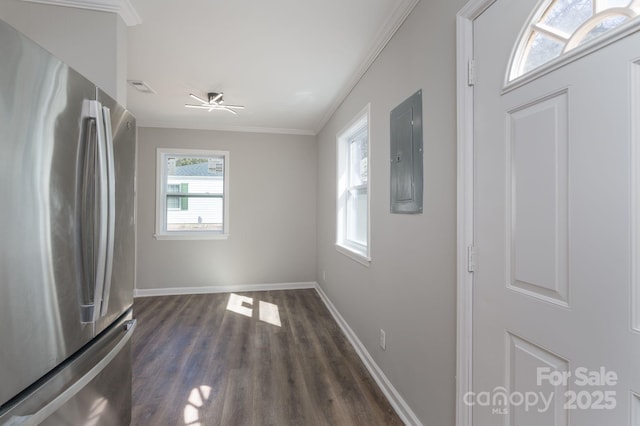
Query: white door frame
pixel 465 231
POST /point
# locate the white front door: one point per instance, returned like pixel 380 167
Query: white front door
pixel 554 336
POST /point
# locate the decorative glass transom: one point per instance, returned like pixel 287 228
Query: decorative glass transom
pixel 559 26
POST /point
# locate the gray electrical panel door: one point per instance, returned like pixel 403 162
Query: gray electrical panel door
pixel 406 156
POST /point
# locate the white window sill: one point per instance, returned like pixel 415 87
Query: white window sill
pixel 191 236
pixel 359 257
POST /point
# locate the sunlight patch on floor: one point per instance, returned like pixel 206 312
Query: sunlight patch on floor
pixel 235 304
pixel 267 312
pixel 197 399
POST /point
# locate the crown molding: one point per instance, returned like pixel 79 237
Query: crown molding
pixel 124 8
pixel 387 30
pixel 241 129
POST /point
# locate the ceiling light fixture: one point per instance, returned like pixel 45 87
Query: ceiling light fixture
pixel 214 102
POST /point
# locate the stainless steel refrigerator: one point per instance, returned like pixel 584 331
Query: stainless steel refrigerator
pixel 67 158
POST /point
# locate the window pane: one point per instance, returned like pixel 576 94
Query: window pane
pixel 189 169
pixel 358 166
pixel 357 216
pixel 607 4
pixel 607 24
pixel 542 49
pixel 352 222
pixel 194 177
pixel 203 214
pixel 568 15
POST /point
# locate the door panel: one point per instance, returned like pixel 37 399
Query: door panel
pixel 553 225
pixel 547 406
pixel 42 132
pixel 538 207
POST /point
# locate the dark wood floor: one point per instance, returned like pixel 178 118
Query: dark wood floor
pixel 198 362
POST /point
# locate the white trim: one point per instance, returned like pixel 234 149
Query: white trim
pixel 393 396
pixel 180 291
pixel 168 124
pixel 124 8
pixel 465 173
pixel 354 255
pixel 387 30
pixel 191 235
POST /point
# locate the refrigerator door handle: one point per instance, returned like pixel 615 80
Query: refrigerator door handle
pixel 51 407
pixel 94 220
pixel 111 209
pixel 86 217
pixel 102 188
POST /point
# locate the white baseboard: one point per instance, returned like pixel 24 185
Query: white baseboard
pixel 397 402
pixel 176 291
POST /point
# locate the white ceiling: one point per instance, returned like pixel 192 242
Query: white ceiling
pixel 290 62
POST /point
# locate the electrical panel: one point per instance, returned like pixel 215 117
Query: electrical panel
pixel 407 156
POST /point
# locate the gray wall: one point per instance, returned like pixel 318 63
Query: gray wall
pixel 409 289
pixel 272 213
pixel 93 43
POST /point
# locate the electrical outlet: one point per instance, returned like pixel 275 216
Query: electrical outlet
pixel 383 339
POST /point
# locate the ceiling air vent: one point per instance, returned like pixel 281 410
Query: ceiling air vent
pixel 141 86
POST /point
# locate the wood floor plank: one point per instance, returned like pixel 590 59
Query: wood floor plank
pixel 313 360
pixel 276 358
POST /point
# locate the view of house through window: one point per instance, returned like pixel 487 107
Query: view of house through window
pixel 192 191
pixel 353 188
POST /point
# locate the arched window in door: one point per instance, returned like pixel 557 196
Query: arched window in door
pixel 560 26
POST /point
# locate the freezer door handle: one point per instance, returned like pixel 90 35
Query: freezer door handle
pixel 51 407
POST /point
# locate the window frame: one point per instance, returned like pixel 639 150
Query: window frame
pixel 162 190
pixel 360 123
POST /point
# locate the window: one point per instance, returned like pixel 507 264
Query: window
pixel 192 194
pixel 353 225
pixel 560 26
